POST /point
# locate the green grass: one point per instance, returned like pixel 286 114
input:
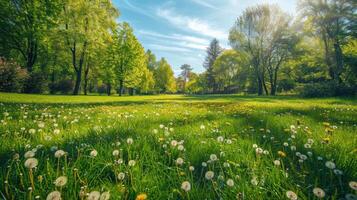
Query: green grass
pixel 197 123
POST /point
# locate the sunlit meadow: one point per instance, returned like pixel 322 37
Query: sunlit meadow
pixel 177 147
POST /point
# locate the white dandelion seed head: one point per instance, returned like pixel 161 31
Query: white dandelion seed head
pixel 59 153
pixel 55 195
pixel 61 181
pixel 121 176
pixel 31 163
pixel 179 161
pixel 131 163
pixel 191 168
pixel 93 153
pixel 29 154
pixel 330 165
pixel 105 196
pixel 318 192
pixel 209 175
pixel 213 157
pixel 291 195
pixel 116 152
pixel 353 185
pixel 129 141
pixel 94 195
pixel 230 182
pixel 186 186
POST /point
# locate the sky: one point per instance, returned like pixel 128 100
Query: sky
pixel 181 30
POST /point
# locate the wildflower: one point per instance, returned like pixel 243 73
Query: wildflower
pixel 61 181
pixel 209 175
pixel 32 131
pixel 291 195
pixel 202 127
pixel 255 146
pixel 129 141
pixel 254 181
pixel 282 154
pixel 56 131
pixel 307 146
pixel 330 165
pixel 353 185
pixel 94 195
pixel 179 161
pixel 162 126
pixel 204 164
pixel 105 196
pixel 29 154
pixel 115 153
pixel 265 152
pixel 41 124
pixel 186 186
pixel 174 143
pixel 258 151
pixel 121 176
pixel 286 144
pixel 213 157
pixel 220 139
pixel 318 192
pixel 230 182
pixel 277 162
pixel 226 164
pixel 191 168
pixel 293 148
pixel 142 196
pixel 55 195
pixel 31 163
pixel 94 153
pixel 337 172
pixel 181 147
pixel 131 163
pixel 59 153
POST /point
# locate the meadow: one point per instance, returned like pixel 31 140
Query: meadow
pixel 177 147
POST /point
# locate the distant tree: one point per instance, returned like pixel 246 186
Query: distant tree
pixel 126 57
pixel 185 74
pixel 147 83
pixel 230 70
pixel 164 76
pixel 151 60
pixel 213 51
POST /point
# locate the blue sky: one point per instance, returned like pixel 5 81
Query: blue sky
pixel 181 30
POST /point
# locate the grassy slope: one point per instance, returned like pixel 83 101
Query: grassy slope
pixel 244 120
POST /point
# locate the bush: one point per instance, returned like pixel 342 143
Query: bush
pixel 326 89
pixel 12 76
pixel 36 83
pixel 102 89
pixel 63 86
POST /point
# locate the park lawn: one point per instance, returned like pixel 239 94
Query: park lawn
pixel 256 147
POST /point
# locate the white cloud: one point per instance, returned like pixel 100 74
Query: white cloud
pixel 189 23
pixel 204 3
pixel 160 47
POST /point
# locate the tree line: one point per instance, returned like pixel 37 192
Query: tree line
pixel 77 46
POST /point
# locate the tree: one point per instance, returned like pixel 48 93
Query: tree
pixel 147 83
pixel 86 25
pixel 229 71
pixel 151 60
pixel 263 32
pixel 127 57
pixel 334 21
pixel 164 76
pixel 213 51
pixel 185 74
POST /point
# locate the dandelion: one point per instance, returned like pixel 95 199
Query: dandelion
pixel 277 162
pixel 129 141
pixel 291 195
pixel 59 153
pixel 254 181
pixel 282 154
pixel 209 175
pixel 351 197
pixel 353 185
pixel 105 196
pixel 255 146
pixel 29 154
pixel 55 195
pixel 93 153
pixel 32 131
pixel 131 163
pixel 258 151
pixel 330 165
pixel 286 144
pixel 318 192
pixel 265 152
pixel 61 181
pixel 115 153
pixel 191 168
pixel 186 186
pixel 213 157
pixel 202 127
pixel 94 195
pixel 161 126
pixel 41 124
pixel 181 147
pixel 307 146
pixel 226 164
pixel 230 182
pixel 174 143
pixel 220 138
pixel 121 176
pixel 179 161
pixel 141 196
pixel 337 172
pixel 204 164
pixel 31 163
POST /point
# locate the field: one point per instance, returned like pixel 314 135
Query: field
pixel 177 147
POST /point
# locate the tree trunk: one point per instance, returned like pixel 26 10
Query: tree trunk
pixel 109 89
pixel 78 82
pixel 260 87
pixel 339 61
pixel 86 73
pixel 121 87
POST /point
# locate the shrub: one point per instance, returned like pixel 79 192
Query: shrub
pixel 64 86
pixel 12 76
pixel 326 89
pixel 36 83
pixel 102 89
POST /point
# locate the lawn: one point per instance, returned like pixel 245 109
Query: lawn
pixel 177 147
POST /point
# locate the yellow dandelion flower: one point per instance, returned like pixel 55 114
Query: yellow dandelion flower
pixel 141 196
pixel 282 154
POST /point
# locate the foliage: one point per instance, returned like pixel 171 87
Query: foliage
pixel 12 76
pixel 164 76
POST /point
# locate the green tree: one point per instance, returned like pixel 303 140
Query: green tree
pixel 164 76
pixel 126 57
pixel 213 51
pixel 185 74
pixel 85 26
